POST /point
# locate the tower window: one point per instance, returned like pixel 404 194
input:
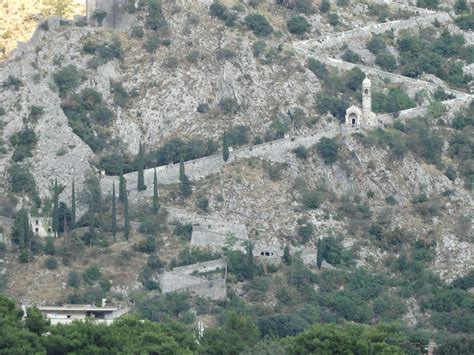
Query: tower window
pixel 366 91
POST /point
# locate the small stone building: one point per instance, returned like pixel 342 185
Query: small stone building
pixel 41 226
pixel 362 117
pixel 115 12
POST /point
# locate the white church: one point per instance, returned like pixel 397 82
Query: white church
pixel 365 117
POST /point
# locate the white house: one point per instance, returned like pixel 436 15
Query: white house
pixel 42 226
pixel 69 313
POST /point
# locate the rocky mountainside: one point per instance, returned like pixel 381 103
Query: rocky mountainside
pixel 272 81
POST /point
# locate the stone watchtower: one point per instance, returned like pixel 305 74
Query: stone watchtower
pixel 365 117
pixel 109 13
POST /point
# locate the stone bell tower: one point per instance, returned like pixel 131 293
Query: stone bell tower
pixel 368 117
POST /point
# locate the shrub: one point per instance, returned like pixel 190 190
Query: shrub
pixel 301 152
pixel 51 264
pixel 238 135
pixel 156 18
pixel 152 43
pixel 24 143
pixel 327 102
pixel 386 61
pixel 305 232
pixel 203 108
pixel 67 79
pixel 465 22
pixel 183 230
pixel 351 56
pixel 92 274
pixel 73 279
pixel 312 199
pixel 202 203
pixel 318 68
pixel 450 173
pixel 325 6
pixel 328 149
pixel 137 32
pixel 376 44
pixel 35 113
pixel 217 9
pixel 394 101
pixel 12 83
pixel 21 180
pixel 428 4
pixel 148 245
pixel 333 19
pixel 259 25
pixel 229 105
pixel 298 25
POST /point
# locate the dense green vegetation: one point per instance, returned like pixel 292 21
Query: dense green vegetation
pixel 238 333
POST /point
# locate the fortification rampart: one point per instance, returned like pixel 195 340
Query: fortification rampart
pixel 181 280
pixel 395 26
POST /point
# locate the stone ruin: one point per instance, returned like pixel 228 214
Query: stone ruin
pixel 115 12
pixel 202 279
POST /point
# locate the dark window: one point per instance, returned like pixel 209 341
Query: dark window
pixel 353 121
pixel 37 222
pixel 262 253
pixel 69 316
pixel 366 91
pixel 36 230
pixel 49 230
pixel 267 253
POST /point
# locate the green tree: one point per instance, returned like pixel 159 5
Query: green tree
pixel 328 150
pixel 185 188
pixel 22 234
pixel 122 188
pixel 56 208
pixel 93 198
pixel 259 25
pixel 141 167
pixel 73 205
pixel 325 6
pixel 461 7
pixel 35 321
pixel 156 202
pixel 319 253
pixel 250 269
pixel 298 25
pixel 287 255
pixel 225 147
pixel 237 333
pixel 126 217
pixel 114 213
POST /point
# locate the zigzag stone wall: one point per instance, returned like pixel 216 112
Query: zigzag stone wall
pixel 396 26
pixel 181 280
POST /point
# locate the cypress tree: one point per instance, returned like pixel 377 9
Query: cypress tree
pixel 73 205
pixel 122 188
pixel 114 212
pixel 319 253
pixel 225 148
pixel 126 226
pixel 182 173
pixel 286 255
pixel 156 202
pixel 250 262
pixel 141 167
pixel 184 185
pixel 21 231
pixel 55 208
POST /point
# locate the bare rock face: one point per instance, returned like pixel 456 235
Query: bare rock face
pixel 454 258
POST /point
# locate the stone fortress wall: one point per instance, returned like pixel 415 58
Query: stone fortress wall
pixel 180 279
pixel 117 17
